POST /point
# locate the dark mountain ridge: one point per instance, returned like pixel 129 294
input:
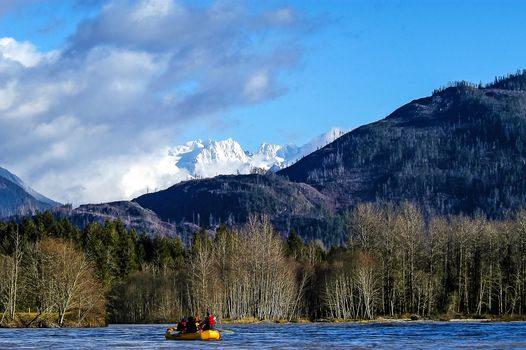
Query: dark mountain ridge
pixel 131 214
pixel 231 199
pixel 17 199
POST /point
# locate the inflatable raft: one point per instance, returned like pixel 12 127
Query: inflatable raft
pixel 203 335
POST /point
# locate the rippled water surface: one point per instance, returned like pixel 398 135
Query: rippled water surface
pixel 418 335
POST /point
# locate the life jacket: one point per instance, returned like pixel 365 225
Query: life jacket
pixel 211 320
pixel 181 326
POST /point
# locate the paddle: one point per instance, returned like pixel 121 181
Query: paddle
pixel 226 331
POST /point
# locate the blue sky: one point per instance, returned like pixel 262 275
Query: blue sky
pixel 370 57
pixel 88 86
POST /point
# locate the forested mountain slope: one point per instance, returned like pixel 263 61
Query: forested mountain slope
pixel 232 199
pixel 461 150
pixel 131 214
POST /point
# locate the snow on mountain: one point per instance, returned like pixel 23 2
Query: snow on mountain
pixel 317 143
pixel 268 156
pixel 202 159
pixel 211 158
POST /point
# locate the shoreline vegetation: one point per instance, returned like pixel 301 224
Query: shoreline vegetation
pixel 397 266
pixel 382 319
pixel 24 321
pixel 49 320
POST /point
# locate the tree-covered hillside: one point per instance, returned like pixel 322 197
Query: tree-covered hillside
pixel 232 199
pixel 461 150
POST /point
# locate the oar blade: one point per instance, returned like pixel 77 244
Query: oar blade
pixel 226 331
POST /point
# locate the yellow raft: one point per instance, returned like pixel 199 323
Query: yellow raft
pixel 211 334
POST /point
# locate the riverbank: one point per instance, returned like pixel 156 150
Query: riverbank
pixel 406 318
pixel 51 320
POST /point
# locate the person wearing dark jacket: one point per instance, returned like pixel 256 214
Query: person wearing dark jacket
pixel 181 326
pixel 190 325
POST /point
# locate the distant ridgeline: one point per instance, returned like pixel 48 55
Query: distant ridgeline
pixel 513 82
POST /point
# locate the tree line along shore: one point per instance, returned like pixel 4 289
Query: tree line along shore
pixel 397 264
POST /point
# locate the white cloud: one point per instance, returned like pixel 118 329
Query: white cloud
pixel 151 172
pixel 92 121
pixel 30 108
pixel 24 53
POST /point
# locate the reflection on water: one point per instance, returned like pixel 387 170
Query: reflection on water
pixel 417 335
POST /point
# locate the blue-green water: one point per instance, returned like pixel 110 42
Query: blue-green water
pixel 417 335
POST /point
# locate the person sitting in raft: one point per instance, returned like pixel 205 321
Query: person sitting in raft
pixel 181 326
pixel 198 323
pixel 191 327
pixel 210 322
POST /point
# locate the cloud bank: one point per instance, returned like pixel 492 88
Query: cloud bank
pixel 93 121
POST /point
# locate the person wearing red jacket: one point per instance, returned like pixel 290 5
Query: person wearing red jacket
pixel 209 322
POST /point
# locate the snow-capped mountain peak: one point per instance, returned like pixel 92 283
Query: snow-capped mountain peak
pixel 210 158
pixel 269 152
pixel 202 159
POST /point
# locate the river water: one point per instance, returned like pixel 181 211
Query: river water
pixel 409 335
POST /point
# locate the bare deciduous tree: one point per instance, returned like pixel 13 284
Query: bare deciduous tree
pixel 66 281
